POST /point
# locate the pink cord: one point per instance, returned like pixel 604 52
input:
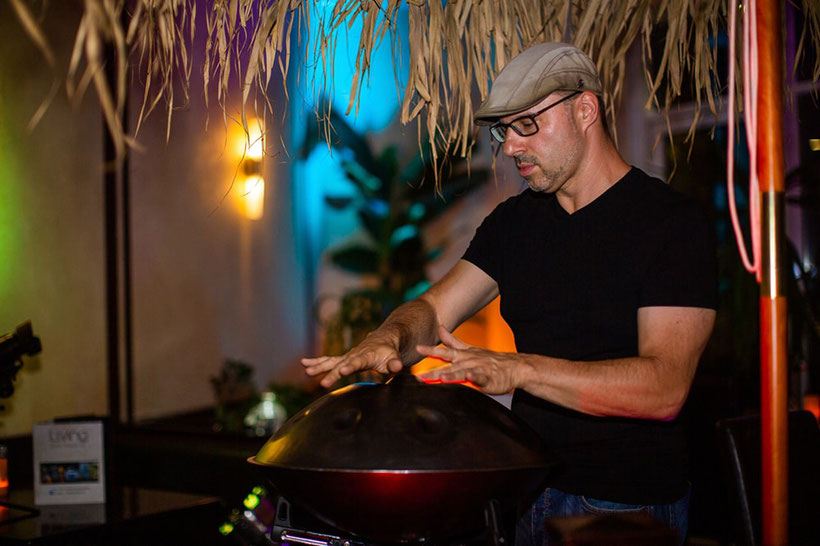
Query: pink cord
pixel 750 113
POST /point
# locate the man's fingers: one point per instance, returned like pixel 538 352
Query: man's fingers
pixel 479 379
pixel 442 353
pixel 450 340
pixel 453 376
pixel 310 362
pixel 315 366
pixel 448 373
pixel 335 367
pixel 331 378
pixel 434 374
pixel 321 361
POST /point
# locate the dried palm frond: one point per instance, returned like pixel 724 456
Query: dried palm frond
pixel 161 32
pixel 247 41
pixel 154 32
pixel 99 28
pixel 455 49
pixel 33 30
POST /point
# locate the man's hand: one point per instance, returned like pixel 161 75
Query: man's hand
pixel 492 372
pixel 374 353
pixel 460 294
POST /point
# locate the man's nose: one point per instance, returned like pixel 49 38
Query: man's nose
pixel 513 143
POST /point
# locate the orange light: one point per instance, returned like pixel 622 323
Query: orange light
pixel 252 143
pixel 4 473
pixel 464 382
pixel 249 182
pixel 811 402
pixel 426 364
pixel 253 196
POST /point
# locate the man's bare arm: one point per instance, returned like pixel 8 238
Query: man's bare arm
pixel 461 293
pixel 652 385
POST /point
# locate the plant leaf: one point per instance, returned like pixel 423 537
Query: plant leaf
pixel 356 258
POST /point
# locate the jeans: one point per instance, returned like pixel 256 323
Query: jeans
pixel 552 502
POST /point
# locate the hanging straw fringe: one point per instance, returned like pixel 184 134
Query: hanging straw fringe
pixel 455 50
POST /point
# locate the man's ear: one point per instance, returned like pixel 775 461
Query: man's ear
pixel 588 109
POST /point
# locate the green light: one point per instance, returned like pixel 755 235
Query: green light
pixel 259 490
pixel 251 501
pixel 11 181
pixel 226 529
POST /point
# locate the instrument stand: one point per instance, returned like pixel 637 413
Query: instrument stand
pixel 492 517
pixel 303 529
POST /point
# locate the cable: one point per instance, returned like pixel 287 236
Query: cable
pixel 750 115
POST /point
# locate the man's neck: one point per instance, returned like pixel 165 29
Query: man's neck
pixel 597 174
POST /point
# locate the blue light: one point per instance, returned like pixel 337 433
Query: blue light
pixel 416 211
pixel 417 290
pixel 316 226
pixel 379 98
pixel 378 207
pixel 403 233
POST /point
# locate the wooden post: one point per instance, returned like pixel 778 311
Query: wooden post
pixel 773 353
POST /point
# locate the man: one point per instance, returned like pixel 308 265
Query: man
pixel 606 278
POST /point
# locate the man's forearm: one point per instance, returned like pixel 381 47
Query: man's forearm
pixel 650 385
pixel 641 387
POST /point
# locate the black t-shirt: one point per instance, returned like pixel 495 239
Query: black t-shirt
pixel 571 286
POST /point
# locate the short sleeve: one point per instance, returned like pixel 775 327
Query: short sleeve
pixel 682 271
pixel 484 250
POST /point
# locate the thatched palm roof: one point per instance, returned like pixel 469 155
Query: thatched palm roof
pixel 455 49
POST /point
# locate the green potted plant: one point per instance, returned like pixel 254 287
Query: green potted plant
pixel 394 200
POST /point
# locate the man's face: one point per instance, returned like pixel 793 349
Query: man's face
pixel 548 158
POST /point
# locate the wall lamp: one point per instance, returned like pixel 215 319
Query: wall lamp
pixel 251 182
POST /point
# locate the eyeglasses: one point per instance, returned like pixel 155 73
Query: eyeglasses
pixel 525 125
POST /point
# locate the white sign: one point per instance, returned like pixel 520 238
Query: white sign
pixel 69 463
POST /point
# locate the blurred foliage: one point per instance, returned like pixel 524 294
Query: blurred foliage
pixel 293 397
pixel 394 200
pixel 235 395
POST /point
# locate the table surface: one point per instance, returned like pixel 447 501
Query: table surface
pixel 126 504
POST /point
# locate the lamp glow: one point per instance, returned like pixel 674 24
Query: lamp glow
pixel 249 143
pixel 253 197
pixel 253 143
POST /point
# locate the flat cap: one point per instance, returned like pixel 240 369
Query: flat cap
pixel 535 73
